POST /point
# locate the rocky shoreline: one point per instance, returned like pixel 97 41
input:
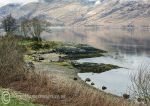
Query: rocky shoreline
pixel 61 59
pixel 66 54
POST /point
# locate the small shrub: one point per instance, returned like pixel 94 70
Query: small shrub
pixel 36 46
pixel 36 39
pixel 141 83
pixel 46 46
pixel 53 44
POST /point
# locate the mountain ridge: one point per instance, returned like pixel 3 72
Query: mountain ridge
pixel 75 13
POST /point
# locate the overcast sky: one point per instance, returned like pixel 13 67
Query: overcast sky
pixel 4 2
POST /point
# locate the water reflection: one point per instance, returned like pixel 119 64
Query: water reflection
pixel 126 41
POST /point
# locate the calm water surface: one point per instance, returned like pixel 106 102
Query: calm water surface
pixel 127 48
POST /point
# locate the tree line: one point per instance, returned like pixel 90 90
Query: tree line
pixel 28 27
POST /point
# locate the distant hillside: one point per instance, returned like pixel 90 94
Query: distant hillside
pixel 84 13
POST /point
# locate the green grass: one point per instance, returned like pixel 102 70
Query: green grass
pixel 26 42
pixel 73 51
pixel 15 101
pixel 37 46
pixel 28 58
pixel 65 64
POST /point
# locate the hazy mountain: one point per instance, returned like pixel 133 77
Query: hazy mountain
pixel 84 12
pixel 9 8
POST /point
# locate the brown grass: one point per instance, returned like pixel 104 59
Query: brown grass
pixel 13 75
pixel 76 94
pixel 11 60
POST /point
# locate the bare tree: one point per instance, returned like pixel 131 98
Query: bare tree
pixel 36 28
pixel 25 27
pixel 9 24
pixel 141 84
pixel 33 27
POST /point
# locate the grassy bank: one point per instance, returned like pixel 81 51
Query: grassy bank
pixel 70 50
pixel 57 88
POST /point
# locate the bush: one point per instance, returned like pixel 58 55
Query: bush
pixel 141 84
pixel 53 44
pixel 46 46
pixel 36 46
pixel 11 60
pixel 43 45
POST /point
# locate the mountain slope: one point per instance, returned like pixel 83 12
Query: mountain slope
pixel 7 9
pixel 77 13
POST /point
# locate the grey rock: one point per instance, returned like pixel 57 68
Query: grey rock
pixel 92 83
pixel 126 96
pixel 104 87
pixel 87 80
